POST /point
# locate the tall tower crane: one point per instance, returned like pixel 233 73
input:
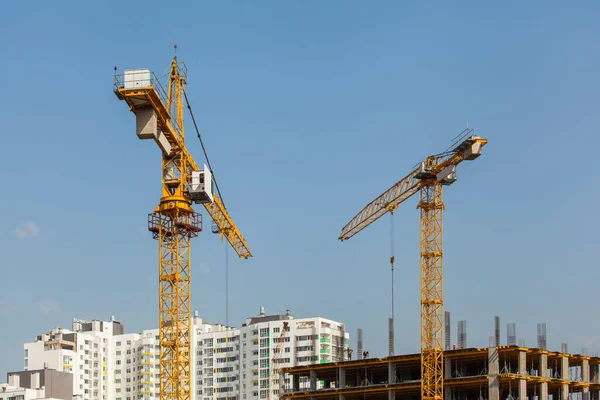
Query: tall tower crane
pixel 428 178
pixel 159 116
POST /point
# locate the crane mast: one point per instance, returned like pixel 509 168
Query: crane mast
pixel 428 178
pixel 174 222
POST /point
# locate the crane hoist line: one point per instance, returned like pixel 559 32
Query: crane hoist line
pixel 427 178
pixel 159 116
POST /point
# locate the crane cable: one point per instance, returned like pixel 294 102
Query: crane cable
pixel 202 144
pixel 392 259
pixel 226 285
pixel 222 202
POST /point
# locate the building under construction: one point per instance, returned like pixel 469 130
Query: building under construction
pixel 494 373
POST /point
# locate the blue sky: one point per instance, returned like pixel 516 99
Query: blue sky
pixel 309 110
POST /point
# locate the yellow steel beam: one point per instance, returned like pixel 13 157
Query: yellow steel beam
pixel 388 201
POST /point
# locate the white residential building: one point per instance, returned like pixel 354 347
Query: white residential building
pixel 9 392
pixel 307 341
pixel 226 363
pixel 85 351
pixel 215 348
pixel 216 362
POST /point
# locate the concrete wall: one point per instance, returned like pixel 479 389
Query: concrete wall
pixel 58 385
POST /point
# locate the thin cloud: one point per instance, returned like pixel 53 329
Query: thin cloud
pixel 27 230
pixel 586 340
pixel 49 306
pixel 204 268
pixel 7 309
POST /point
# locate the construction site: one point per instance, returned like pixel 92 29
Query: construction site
pixel 366 168
pixel 437 372
pixel 496 372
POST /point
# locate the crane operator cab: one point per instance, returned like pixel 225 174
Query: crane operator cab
pixel 201 188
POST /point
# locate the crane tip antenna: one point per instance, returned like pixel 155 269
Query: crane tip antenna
pixel 175 47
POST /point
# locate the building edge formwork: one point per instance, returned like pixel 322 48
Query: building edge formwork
pixel 492 373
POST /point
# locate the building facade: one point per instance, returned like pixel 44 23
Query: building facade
pixel 226 363
pixel 85 351
pixel 38 384
pixel 305 341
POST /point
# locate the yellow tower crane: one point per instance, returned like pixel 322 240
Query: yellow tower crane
pixel 428 178
pixel 159 116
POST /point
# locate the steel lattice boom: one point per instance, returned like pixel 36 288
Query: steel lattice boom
pixel 159 116
pixel 428 179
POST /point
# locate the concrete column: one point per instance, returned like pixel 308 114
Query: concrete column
pixel 544 374
pixel 392 373
pixel 296 383
pixel 522 371
pixel 342 381
pixel 493 371
pixel 313 380
pixel 391 380
pixel 564 392
pixel 447 375
pixel 564 374
pixel 281 383
pixel 342 377
pixel 564 368
pixel 585 376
